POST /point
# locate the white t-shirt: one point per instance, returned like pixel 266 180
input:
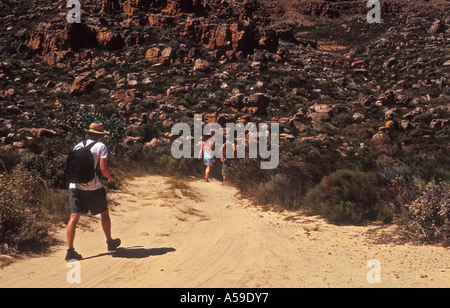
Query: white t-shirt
pixel 207 148
pixel 99 150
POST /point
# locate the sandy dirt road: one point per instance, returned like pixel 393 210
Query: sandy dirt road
pixel 206 236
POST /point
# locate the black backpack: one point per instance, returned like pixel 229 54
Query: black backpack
pixel 80 165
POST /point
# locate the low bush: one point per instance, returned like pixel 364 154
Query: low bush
pixel 148 131
pixel 246 175
pixel 85 115
pixel 280 190
pixel 57 205
pixel 8 159
pixel 347 196
pixel 168 163
pixel 428 217
pixel 21 226
pixel 49 168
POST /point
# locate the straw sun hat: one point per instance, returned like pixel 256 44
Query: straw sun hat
pixel 97 128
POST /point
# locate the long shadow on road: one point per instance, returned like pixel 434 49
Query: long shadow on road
pixel 135 252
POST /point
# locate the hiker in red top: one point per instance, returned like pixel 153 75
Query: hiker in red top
pixel 231 147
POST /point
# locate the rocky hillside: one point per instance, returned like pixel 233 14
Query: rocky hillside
pixel 332 80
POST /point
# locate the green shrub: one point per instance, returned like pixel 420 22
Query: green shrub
pixel 347 196
pixel 168 163
pixel 279 190
pixel 149 131
pixel 57 205
pixel 21 225
pixel 113 124
pixel 47 167
pixel 246 174
pixel 8 159
pixel 85 115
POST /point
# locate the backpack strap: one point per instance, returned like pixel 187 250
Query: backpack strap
pixel 90 145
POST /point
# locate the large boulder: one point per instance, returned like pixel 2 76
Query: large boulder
pixel 180 7
pixel 108 40
pixel 82 85
pixel 243 37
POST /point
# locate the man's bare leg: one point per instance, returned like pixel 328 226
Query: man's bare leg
pixel 106 224
pixel 71 228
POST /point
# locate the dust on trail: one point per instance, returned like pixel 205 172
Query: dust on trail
pixel 206 236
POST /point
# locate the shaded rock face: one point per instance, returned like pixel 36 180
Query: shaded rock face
pixel 73 37
pixel 242 35
pixel 269 40
pixel 238 36
pixel 109 40
pixel 178 7
pixel 161 21
pixel 111 6
pixel 77 36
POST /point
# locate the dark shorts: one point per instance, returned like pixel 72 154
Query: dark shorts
pixel 82 201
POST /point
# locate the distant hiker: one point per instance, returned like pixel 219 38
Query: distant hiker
pixel 226 157
pixel 91 195
pixel 208 154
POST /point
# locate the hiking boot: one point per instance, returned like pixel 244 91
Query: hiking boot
pixel 113 244
pixel 72 255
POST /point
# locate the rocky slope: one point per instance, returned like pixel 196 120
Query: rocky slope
pixel 331 79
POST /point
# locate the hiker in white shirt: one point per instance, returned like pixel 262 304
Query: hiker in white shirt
pixel 91 196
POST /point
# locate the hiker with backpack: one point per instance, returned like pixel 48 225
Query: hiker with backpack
pixel 87 192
